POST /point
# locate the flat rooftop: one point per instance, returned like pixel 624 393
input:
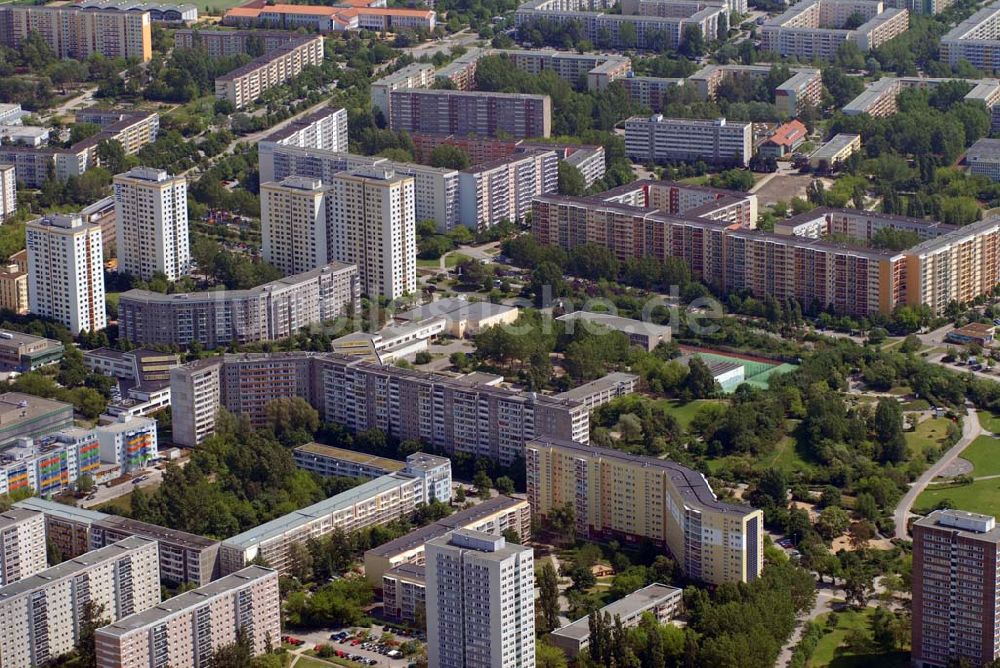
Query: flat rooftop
pixel 609 381
pixel 455 308
pixel 410 572
pixel 187 601
pixel 71 567
pixel 462 518
pixel 277 527
pixel 636 602
pixel 617 322
pixel 156 532
pixel 352 456
pixel 12 339
pixel 965 524
pixel 837 144
pixel 16 408
pixel 984 149
pixel 301 123
pixel 16 515
pixel 61 510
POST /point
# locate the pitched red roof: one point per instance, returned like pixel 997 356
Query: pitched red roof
pixel 788 134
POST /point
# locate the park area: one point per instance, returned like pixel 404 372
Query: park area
pixel 847 643
pixel 977 491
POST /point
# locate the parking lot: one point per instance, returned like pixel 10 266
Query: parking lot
pixel 364 653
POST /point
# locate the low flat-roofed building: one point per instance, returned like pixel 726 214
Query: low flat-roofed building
pixel 835 151
pixel 493 516
pixel 983 158
pixel 727 374
pixel 391 343
pixel 28 416
pixel 67 527
pixel 601 391
pixel 184 557
pixel 24 352
pixel 661 601
pixel 463 317
pixel 974 332
pixel 646 335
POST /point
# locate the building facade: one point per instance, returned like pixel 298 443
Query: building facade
pixel 976 39
pixel 378 501
pixel 293 224
pixel 324 130
pixel 470 112
pixel 189 628
pixel 79 33
pixel 659 139
pixel 66 272
pixel 130 443
pixel 480 602
pixel 619 496
pixel 956 608
pixel 268 312
pixel 41 614
pixel 244 85
pixel 502 190
pixel 151 221
pixel 372 224
pixel 66 527
pixel 22 535
pixel 183 557
pixel 8 192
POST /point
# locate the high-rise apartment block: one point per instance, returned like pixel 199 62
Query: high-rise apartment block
pixel 390 497
pixel 268 312
pixel 626 497
pixel 956 605
pixel 183 557
pixel 480 602
pixel 817 28
pixel 372 224
pixel 41 615
pixel 325 130
pixel 152 223
pixel 470 112
pixel 13 289
pixel 798 260
pixel 656 25
pixel 187 629
pixel 976 39
pixel 293 224
pixel 8 192
pixel 503 189
pixel 435 190
pixel 66 272
pixel 66 527
pixel 129 443
pixel 455 415
pixel 246 84
pixel 77 33
pixel 22 545
pixel 658 139
pixel 495 516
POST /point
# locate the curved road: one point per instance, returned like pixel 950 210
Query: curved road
pixel 970 430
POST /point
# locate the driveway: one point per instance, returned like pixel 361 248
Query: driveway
pixel 970 430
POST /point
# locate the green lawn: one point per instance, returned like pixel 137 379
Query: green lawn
pixel 927 435
pixel 982 496
pixel 984 453
pixel 786 455
pixel 990 421
pixel 685 412
pixel 829 651
pixel 450 261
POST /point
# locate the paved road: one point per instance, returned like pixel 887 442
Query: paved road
pixel 970 430
pixel 83 99
pixel 104 494
pixel 460 38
